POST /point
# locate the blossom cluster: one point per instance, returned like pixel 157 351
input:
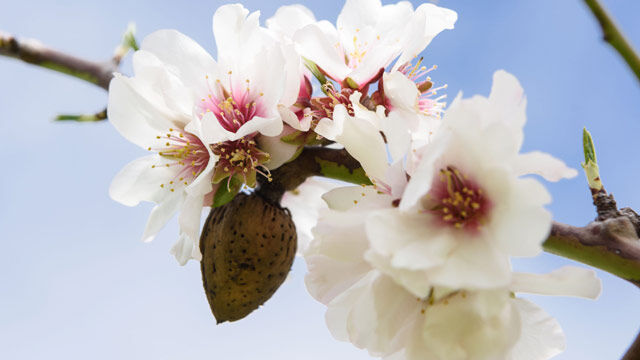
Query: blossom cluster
pixel 415 264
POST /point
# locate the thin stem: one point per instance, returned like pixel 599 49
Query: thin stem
pixel 33 52
pixel 614 37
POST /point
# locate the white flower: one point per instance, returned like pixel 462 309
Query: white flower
pixel 202 118
pixel 375 312
pixel 149 110
pixel 466 209
pixel 369 36
pixel 235 100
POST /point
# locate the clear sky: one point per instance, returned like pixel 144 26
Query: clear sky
pixel 76 282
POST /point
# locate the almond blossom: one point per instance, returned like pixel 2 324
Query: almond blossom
pixel 369 36
pixel 207 121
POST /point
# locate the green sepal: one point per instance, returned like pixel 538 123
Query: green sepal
pixel 225 194
pixel 315 70
pixel 336 171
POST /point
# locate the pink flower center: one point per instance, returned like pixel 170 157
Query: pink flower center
pixel 232 108
pixel 457 201
pixel 323 106
pixel 185 151
pixel 240 158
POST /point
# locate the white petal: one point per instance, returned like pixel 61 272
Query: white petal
pixel 160 215
pixel 566 281
pixel 187 246
pixel 280 151
pixel 305 204
pixel 328 278
pixel 139 181
pixel 271 126
pixel 545 165
pixel 318 46
pixel 541 336
pixel 422 175
pixel 377 319
pixel 291 119
pixel 289 19
pixel 135 118
pixel 427 22
pixel 360 198
pixel 397 134
pixel 363 141
pixel 401 91
pixel 390 232
pixel 339 309
pixel 185 57
pixel 482 325
pixel 520 223
pixel 473 265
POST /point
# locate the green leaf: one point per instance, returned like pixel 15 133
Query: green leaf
pixel 336 171
pixel 225 194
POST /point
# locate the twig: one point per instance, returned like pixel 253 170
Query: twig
pixel 97 73
pixel 614 37
pixel 33 52
pixel 102 115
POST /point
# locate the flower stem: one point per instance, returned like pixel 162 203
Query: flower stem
pixel 614 37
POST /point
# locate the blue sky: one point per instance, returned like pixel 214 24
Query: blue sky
pixel 76 282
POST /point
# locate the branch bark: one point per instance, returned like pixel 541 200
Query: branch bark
pixel 33 52
pixel 614 36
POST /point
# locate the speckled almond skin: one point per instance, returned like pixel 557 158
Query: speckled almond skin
pixel 248 247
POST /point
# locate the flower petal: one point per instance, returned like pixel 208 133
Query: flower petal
pixel 543 164
pixel 140 181
pixel 185 57
pixel 541 336
pixel 135 118
pixel 566 281
pixel 160 215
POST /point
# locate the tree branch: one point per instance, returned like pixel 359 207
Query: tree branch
pixel 611 245
pixel 313 161
pixel 33 52
pixel 614 37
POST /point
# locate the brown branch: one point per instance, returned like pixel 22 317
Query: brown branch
pixel 611 245
pixel 313 161
pixel 33 52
